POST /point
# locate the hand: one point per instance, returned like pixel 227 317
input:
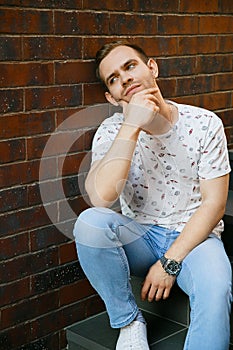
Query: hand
pixel 157 284
pixel 142 108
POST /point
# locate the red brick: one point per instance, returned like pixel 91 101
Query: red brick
pixel 215 24
pixel 93 94
pixel 25 74
pixel 45 237
pixel 168 87
pixel 76 22
pixel 67 252
pixel 74 72
pixel 52 47
pixel 74 163
pixel 69 4
pixel 197 44
pixel 14 198
pixel 226 117
pixel 12 150
pixel 199 6
pixel 178 66
pixel 128 24
pixel 173 24
pixel 14 246
pixel 10 48
pixel 226 6
pixel 224 81
pixel 195 85
pixel 77 291
pixel 26 265
pixel 25 219
pixel 11 101
pixel 29 309
pixel 109 5
pixel 16 336
pixel 154 6
pixel 76 207
pixel 25 21
pixel 215 101
pixel 15 291
pixel 213 64
pixel 53 97
pixel 225 43
pixel 30 124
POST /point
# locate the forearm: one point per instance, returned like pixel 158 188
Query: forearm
pixel 106 181
pixel 196 230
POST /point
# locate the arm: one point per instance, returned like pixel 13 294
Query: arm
pixel 107 177
pixel 214 196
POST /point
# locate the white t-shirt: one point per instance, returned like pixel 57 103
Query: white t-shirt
pixel 163 183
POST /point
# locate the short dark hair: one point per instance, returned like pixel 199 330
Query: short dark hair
pixel 107 48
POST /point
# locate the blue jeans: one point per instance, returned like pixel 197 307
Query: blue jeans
pixel 111 247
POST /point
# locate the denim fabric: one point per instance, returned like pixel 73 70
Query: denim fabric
pixel 111 247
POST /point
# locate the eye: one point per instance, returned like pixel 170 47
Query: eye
pixel 130 66
pixel 113 80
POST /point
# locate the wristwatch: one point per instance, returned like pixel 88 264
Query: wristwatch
pixel 170 266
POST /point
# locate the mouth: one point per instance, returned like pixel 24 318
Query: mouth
pixel 132 89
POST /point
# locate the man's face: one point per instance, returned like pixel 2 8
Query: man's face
pixel 124 73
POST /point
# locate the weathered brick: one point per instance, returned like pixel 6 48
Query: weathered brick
pixel 189 45
pixel 173 24
pixel 177 66
pixel 12 292
pixel 14 246
pixel 224 43
pixel 12 150
pixel 23 220
pixel 67 252
pixel 215 101
pixel 11 101
pixel 226 6
pixel 215 24
pixel 30 124
pixel 109 5
pixel 199 6
pixel 14 198
pixel 154 6
pixel 29 309
pixel 214 64
pixel 52 48
pixel 57 277
pixel 84 23
pixel 15 337
pixel 74 72
pixel 224 81
pixel 25 21
pixel 53 97
pixel 76 4
pixel 10 48
pixel 77 291
pixel 45 237
pixel 126 24
pixel 26 265
pixel 93 94
pixel 195 85
pixel 25 74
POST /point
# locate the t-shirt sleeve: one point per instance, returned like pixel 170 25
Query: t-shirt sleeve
pixel 214 160
pixel 104 138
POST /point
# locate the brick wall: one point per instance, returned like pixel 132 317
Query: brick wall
pixel 47 76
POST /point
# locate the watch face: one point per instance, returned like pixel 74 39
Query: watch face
pixel 173 267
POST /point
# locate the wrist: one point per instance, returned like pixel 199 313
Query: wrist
pixel 170 266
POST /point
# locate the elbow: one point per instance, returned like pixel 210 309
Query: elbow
pixel 95 198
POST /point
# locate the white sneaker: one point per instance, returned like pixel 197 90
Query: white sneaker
pixel 133 337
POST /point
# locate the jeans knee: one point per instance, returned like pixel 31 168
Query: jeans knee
pixel 92 227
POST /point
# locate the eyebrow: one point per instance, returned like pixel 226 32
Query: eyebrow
pixel 122 67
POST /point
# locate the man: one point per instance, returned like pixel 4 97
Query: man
pixel 168 165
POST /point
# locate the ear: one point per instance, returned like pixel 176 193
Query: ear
pixel 153 67
pixel 111 99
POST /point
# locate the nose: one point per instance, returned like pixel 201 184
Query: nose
pixel 126 78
